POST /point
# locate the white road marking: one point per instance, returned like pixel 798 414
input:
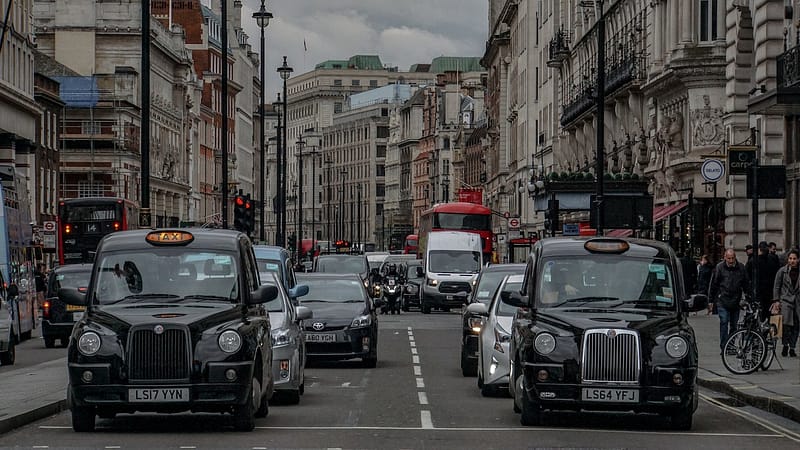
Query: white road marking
pixel 187 446
pixel 40 446
pixel 410 333
pixel 413 344
pixel 420 383
pixel 417 370
pixel 423 398
pixel 788 434
pixel 113 446
pixel 425 418
pixel 409 328
pixel 259 448
pixel 413 350
pixel 346 384
pixel 415 359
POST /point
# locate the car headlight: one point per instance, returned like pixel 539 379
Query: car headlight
pixel 474 282
pixel 229 341
pixel 89 343
pixel 677 347
pixel 280 338
pixel 361 321
pixel 544 343
pixel 475 324
pixel 432 282
pixel 366 283
pixel 500 337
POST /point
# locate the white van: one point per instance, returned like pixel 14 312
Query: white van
pixel 451 262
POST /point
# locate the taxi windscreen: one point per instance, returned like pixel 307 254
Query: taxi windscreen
pixel 610 281
pixel 165 275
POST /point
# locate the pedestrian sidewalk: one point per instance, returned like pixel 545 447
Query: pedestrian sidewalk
pixel 776 390
pixel 32 393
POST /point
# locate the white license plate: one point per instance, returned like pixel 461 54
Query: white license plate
pixel 76 316
pixel 158 395
pixel 320 337
pixel 610 395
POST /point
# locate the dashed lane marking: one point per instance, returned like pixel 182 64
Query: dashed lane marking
pixel 417 370
pixel 425 418
pixel 413 350
pixel 413 344
pixel 420 383
pixel 415 359
pixel 423 398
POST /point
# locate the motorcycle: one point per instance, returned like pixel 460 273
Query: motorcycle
pixel 392 290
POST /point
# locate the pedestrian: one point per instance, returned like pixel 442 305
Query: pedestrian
pixel 748 250
pixel 773 253
pixel 704 270
pixel 729 283
pixel 767 269
pixel 689 269
pixel 40 280
pixel 786 293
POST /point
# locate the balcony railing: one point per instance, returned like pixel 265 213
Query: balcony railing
pixel 558 49
pixel 789 68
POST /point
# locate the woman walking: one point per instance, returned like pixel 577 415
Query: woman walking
pixel 785 294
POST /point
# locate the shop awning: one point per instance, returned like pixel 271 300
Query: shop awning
pixel 619 232
pixel 662 212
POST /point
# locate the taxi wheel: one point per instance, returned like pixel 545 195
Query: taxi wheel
pixel 82 418
pixel 49 342
pixel 682 420
pixel 8 357
pixel 244 416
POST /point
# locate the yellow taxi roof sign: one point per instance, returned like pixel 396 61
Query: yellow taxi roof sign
pixel 169 237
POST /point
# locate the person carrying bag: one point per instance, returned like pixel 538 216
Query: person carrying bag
pixel 785 302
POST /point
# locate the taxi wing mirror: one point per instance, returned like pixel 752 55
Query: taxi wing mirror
pixel 12 291
pixel 298 291
pixel 478 309
pixel 304 313
pixel 514 298
pixel 72 296
pixel 263 294
pixel 696 302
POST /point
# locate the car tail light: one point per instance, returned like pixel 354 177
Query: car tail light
pixel 116 226
pixel 67 228
pixel 46 309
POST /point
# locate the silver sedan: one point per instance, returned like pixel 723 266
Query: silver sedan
pixel 493 350
pixel 288 343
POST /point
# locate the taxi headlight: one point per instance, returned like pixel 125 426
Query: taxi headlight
pixel 544 343
pixel 281 338
pixel 229 341
pixel 677 347
pixel 361 321
pixel 89 343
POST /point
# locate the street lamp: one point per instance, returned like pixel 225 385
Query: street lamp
pixel 358 186
pixel 328 164
pixel 262 17
pixel 300 143
pixel 280 222
pixel 285 72
pixel 342 174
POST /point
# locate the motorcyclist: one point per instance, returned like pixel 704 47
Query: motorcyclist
pixel 391 272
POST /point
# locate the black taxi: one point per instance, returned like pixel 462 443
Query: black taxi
pixel 174 322
pixel 601 325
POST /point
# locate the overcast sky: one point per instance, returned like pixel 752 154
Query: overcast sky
pixel 401 32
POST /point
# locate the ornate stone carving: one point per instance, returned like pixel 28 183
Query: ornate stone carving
pixel 707 126
pixel 675 135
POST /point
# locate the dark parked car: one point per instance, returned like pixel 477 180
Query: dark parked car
pixel 602 325
pixel 485 287
pixel 58 318
pixel 175 322
pixel 345 323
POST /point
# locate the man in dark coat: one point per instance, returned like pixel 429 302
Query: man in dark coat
pixel 767 268
pixel 689 268
pixel 729 283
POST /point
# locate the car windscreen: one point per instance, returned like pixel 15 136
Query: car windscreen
pixel 502 308
pixel 72 280
pixel 350 264
pixel 612 281
pixel 454 261
pixel 332 290
pixel 487 285
pixel 165 275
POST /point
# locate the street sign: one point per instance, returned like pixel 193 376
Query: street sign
pixel 513 223
pixel 741 158
pixel 571 229
pixel 514 234
pixel 712 170
pixel 49 226
pixel 501 238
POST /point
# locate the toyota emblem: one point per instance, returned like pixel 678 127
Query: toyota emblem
pixel 611 334
pixel 318 326
pixel 158 329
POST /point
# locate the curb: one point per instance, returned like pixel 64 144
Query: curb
pixel 771 405
pixel 9 423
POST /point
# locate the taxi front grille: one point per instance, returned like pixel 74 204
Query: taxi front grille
pixel 159 356
pixel 611 355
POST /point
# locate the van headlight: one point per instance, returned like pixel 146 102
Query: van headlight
pixel 89 343
pixel 432 282
pixel 229 341
pixel 677 347
pixel 361 321
pixel 545 343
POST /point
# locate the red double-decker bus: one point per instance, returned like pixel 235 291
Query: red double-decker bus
pixel 457 216
pixel 410 245
pixel 82 222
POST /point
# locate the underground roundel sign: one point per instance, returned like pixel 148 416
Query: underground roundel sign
pixel 712 170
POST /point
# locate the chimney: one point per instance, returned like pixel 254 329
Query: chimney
pixel 236 14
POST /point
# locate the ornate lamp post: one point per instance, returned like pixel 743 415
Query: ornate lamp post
pixel 285 72
pixel 262 17
pixel 280 222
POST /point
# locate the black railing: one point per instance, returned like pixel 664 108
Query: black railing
pixel 558 50
pixel 789 67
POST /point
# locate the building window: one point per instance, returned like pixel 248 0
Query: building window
pixel 383 132
pixel 356 82
pixel 380 190
pixel 708 20
pixel 373 83
pixel 380 170
pixel 337 107
pixel 337 82
pixel 380 151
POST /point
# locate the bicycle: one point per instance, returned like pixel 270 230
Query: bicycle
pixel 753 345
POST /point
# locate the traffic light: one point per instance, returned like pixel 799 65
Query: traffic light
pixel 239 213
pixel 292 243
pixel 249 215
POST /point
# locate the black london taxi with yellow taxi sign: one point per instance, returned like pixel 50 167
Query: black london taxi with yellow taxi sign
pixel 174 322
pixel 601 325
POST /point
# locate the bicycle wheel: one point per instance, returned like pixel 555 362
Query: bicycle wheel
pixel 771 341
pixel 744 352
